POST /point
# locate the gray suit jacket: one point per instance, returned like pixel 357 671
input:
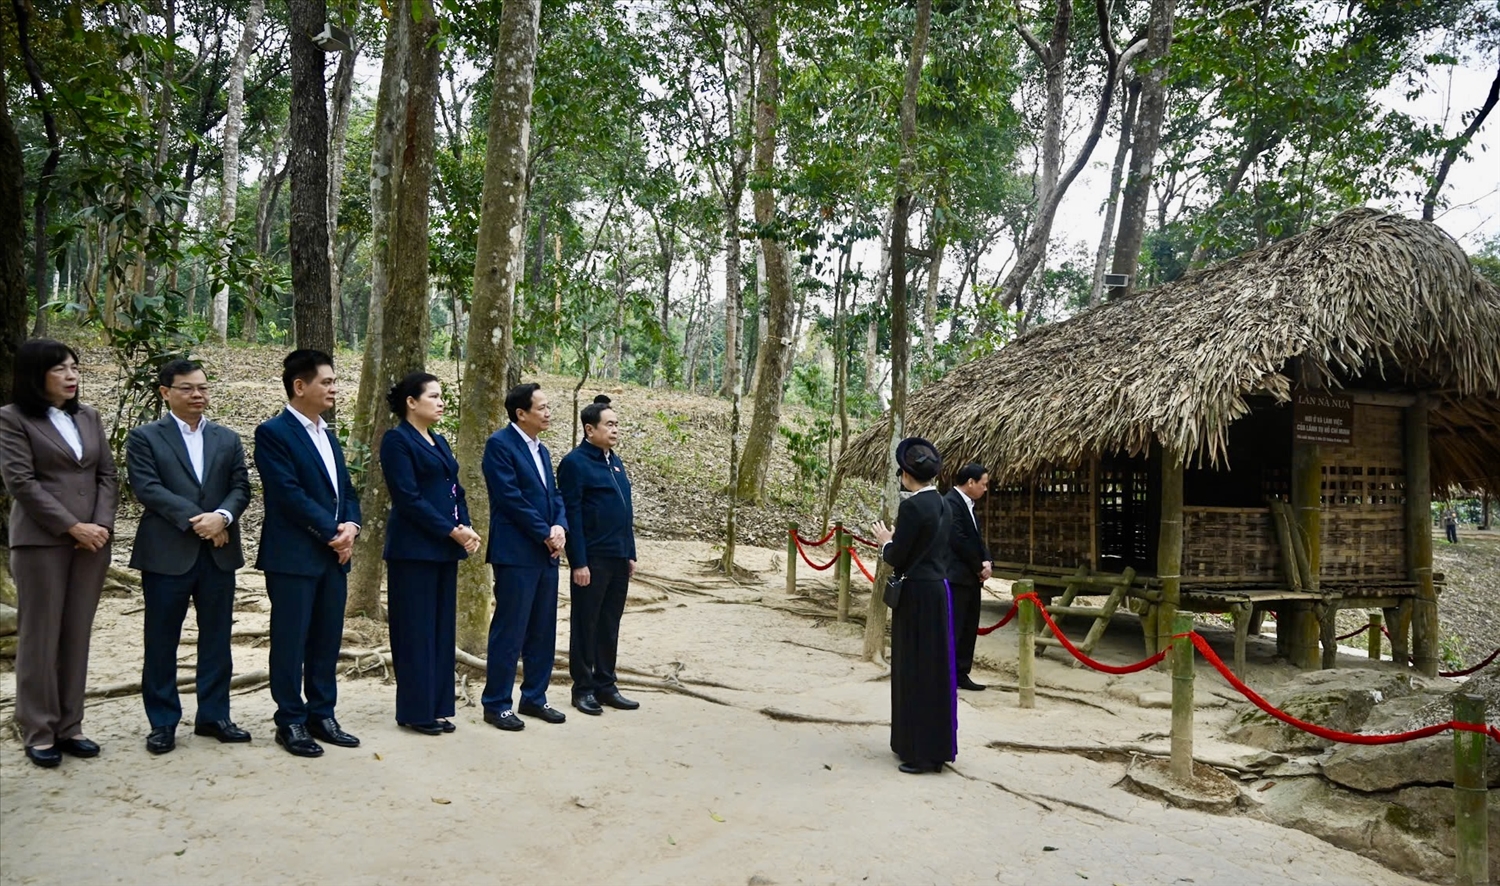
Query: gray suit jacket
pixel 162 478
pixel 52 489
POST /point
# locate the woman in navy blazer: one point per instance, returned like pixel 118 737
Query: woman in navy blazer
pixel 427 534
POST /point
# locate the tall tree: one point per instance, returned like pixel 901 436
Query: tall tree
pixel 906 173
pixel 1450 154
pixel 1144 142
pixel 766 411
pixel 230 184
pixel 41 273
pixel 312 292
pixel 12 293
pixel 498 266
pixel 403 345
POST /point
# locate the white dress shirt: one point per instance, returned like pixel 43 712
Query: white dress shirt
pixel 68 428
pixel 536 454
pixel 193 440
pixel 970 502
pixel 318 431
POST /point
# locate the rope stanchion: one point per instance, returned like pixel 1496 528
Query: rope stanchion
pixel 1078 654
pixel 809 542
pixel 861 564
pixel 1322 731
pixel 1001 623
pixel 797 539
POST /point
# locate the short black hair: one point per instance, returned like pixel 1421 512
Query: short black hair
pixel 520 398
pixel 302 364
pixel 971 471
pixel 34 360
pixel 591 413
pixel 413 384
pixel 175 368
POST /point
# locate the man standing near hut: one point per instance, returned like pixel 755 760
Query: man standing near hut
pixel 1450 524
pixel 968 568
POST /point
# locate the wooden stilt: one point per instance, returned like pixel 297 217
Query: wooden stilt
pixel 1424 622
pixel 1169 546
pixel 1241 613
pixel 1307 503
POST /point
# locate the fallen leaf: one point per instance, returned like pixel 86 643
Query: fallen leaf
pixel 378 757
pixel 179 852
pixel 1082 874
pixel 670 840
pixel 825 765
pixel 441 801
pixel 715 816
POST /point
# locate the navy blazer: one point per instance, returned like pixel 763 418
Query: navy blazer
pixel 523 509
pixel 302 513
pixel 596 495
pixel 427 501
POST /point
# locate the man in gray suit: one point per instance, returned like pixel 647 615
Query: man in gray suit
pixel 190 475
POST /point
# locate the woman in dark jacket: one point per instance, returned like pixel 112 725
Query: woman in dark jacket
pixel 924 689
pixel 601 551
pixel 55 459
pixel 427 534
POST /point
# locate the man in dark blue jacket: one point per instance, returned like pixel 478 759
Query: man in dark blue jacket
pixel 527 532
pixel 312 518
pixel 601 552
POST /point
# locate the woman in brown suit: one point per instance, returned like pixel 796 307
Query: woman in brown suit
pixel 56 463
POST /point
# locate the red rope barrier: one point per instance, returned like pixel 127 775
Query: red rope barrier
pixel 809 562
pixel 809 542
pixel 1351 634
pixel 1010 614
pixel 860 563
pixel 864 541
pixel 1322 731
pixel 1078 654
pixel 1467 671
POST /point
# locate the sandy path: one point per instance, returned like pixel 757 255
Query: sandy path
pixel 682 791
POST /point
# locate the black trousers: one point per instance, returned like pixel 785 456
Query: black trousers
pixel 307 627
pixel 421 601
pixel 211 591
pixel 965 624
pixel 594 633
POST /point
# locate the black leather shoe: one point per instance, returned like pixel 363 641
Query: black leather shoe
pixel 965 683
pixel 615 700
pixel 588 705
pixel 327 729
pixel 47 758
pixel 544 712
pixel 78 747
pixel 920 768
pixel 424 728
pixel 162 739
pixel 447 725
pixel 506 720
pixel 224 730
pixel 297 742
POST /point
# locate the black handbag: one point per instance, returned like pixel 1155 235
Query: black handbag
pixel 892 593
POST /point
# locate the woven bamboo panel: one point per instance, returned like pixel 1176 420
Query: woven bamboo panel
pixel 1230 543
pixel 1006 518
pixel 1062 518
pixel 1364 499
pixel 1368 543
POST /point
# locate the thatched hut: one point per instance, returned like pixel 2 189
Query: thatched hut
pixel 1260 435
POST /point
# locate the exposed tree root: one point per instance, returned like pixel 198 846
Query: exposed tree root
pixel 794 717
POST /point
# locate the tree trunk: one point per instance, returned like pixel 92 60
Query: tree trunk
pixel 875 617
pixel 766 410
pixel 1143 150
pixel 230 188
pixel 343 91
pixel 312 295
pixel 1430 199
pixel 872 330
pixel 497 267
pixel 12 294
pixel 404 344
pixel 929 301
pixel 1112 199
pixel 49 166
pixel 733 198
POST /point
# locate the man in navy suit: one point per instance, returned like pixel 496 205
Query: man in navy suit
pixel 190 476
pixel 312 519
pixel 527 531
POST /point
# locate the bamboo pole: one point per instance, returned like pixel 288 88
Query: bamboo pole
pixel 1307 503
pixel 791 559
pixel 1377 621
pixel 1026 630
pixel 1182 699
pixel 1419 537
pixel 1169 546
pixel 1471 819
pixel 841 571
pixel 1094 513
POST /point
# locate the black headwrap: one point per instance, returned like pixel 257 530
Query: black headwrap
pixel 918 458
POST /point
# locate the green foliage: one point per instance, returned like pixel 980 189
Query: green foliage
pixel 807 446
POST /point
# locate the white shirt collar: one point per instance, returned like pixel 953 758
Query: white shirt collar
pixel 532 442
pixel 970 501
pixel 928 488
pixel 185 428
pixel 53 412
pixel 306 422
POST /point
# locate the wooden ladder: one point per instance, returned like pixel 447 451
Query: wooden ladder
pixel 1081 580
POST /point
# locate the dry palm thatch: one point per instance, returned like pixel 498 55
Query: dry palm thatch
pixel 1373 297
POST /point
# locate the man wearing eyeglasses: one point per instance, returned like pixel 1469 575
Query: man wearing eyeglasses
pixel 190 476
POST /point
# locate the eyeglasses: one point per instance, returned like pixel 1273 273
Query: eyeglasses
pixel 189 389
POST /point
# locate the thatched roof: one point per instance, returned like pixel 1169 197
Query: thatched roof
pixel 1369 296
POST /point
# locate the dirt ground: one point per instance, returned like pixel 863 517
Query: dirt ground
pixel 765 761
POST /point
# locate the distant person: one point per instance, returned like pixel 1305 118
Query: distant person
pixel 528 529
pixel 427 534
pixel 968 567
pixel 601 553
pixel 190 476
pixel 1450 525
pixel 57 467
pixel 312 518
pixel 924 694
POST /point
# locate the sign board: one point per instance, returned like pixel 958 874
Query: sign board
pixel 1322 417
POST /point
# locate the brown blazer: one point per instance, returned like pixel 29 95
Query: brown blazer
pixel 51 489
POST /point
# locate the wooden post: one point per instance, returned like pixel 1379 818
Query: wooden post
pixel 791 559
pixel 1307 504
pixel 1094 513
pixel 1026 629
pixel 1169 546
pixel 841 571
pixel 1377 621
pixel 1182 700
pixel 1471 837
pixel 1424 623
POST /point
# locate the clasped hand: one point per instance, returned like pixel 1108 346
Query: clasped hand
pixel 466 537
pixel 208 525
pixel 89 536
pixel 556 541
pixel 343 542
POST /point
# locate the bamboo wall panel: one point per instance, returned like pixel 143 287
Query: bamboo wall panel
pixel 1064 504
pixel 1237 543
pixel 1364 499
pixel 1006 522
